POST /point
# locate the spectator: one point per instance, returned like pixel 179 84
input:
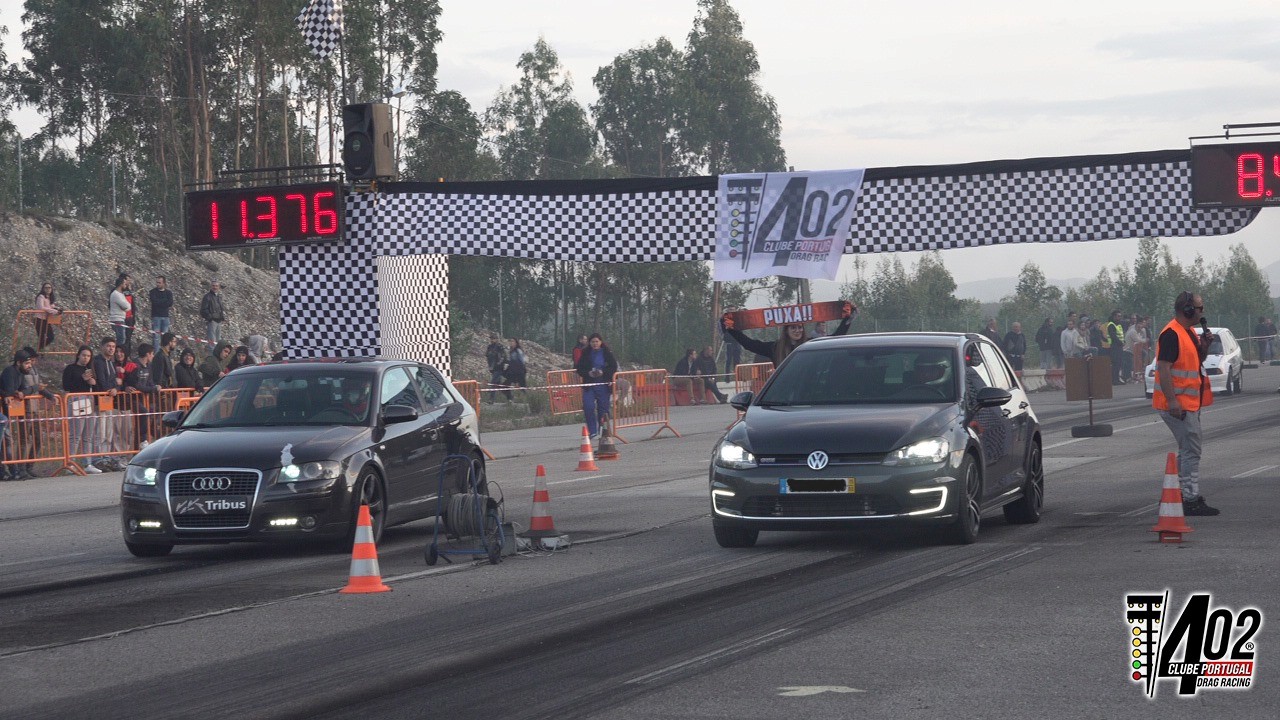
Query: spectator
pixel 1047 342
pixel 162 364
pixel 16 387
pixel 79 377
pixel 187 375
pixel 161 299
pixel 1135 344
pixel 213 312
pixel 138 378
pixel 596 367
pixel 684 372
pixel 991 332
pixel 215 366
pixel 239 359
pixel 1015 345
pixel 793 336
pixel 119 309
pixel 130 315
pixel 706 367
pixel 1095 335
pixel 1069 341
pixel 732 354
pixel 1113 341
pixel 496 356
pixel 47 303
pixel 517 370
pixel 578 349
pixel 259 349
pixel 1265 332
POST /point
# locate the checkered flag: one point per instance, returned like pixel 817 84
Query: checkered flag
pixel 321 25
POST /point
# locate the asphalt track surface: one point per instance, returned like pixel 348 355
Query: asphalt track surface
pixel 645 616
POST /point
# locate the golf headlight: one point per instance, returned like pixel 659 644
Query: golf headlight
pixel 734 456
pixel 321 470
pixel 139 475
pixel 925 452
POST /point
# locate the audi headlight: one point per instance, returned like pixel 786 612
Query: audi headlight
pixel 320 470
pixel 139 475
pixel 924 452
pixel 734 456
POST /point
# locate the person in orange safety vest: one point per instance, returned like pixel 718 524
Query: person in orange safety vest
pixel 1182 389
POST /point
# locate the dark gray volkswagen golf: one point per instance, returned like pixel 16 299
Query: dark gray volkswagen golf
pixel 287 452
pixel 927 428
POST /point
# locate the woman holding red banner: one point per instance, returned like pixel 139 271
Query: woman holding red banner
pixel 596 367
pixel 793 336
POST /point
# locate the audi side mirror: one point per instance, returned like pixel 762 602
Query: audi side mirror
pixel 172 419
pixel 398 414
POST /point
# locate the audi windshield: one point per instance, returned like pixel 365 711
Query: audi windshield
pixel 262 399
pixel 855 376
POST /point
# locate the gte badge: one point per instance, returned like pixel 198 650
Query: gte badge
pixel 1203 647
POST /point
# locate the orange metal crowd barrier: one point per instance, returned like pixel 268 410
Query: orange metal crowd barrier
pixel 470 391
pixel 751 376
pixel 564 400
pixel 35 433
pixel 70 330
pixel 642 397
pixel 103 425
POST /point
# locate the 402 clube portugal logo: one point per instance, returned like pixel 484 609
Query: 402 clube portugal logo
pixel 1203 647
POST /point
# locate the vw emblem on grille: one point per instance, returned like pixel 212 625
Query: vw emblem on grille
pixel 817 460
pixel 222 482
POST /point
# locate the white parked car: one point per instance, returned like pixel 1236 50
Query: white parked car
pixel 1224 364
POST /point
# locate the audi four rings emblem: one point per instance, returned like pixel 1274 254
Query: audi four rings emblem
pixel 224 483
pixel 817 460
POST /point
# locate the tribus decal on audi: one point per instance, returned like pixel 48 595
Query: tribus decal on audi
pixel 1217 645
pixel 221 482
pixel 204 506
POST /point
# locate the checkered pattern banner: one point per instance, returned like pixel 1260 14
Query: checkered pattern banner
pixel 320 23
pixel 329 292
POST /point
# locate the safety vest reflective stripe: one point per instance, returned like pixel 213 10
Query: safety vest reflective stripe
pixel 1186 391
pixel 1183 373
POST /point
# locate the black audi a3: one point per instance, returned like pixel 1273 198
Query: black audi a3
pixel 288 452
pixel 930 428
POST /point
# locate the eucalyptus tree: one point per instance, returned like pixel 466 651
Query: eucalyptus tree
pixel 638 114
pixel 730 123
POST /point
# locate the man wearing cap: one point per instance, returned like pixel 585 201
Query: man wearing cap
pixel 213 312
pixel 1182 389
pixel 11 389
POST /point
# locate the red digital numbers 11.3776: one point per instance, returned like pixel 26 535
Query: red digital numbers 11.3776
pixel 264 215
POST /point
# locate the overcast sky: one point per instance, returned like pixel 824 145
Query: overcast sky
pixel 874 84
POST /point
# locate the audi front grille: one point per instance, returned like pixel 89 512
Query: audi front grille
pixel 212 498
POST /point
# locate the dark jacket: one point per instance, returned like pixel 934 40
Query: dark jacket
pixel 211 368
pixel 211 307
pixel 139 378
pixel 10 381
pixel 188 377
pixel 107 379
pixel 766 348
pixel 496 355
pixel 162 370
pixel 685 366
pixel 704 365
pixel 1015 344
pixel 161 302
pixel 1047 338
pixel 607 371
pixel 73 379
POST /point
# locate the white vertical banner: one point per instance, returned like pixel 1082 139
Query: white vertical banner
pixel 793 224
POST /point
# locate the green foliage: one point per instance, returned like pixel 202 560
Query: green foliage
pixel 896 300
pixel 638 114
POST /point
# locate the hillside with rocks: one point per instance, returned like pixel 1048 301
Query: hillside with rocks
pixel 82 260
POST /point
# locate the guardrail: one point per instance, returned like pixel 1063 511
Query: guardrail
pixel 640 398
pixel 37 432
pixel 563 387
pixel 751 376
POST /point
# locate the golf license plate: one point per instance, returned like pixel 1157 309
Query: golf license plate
pixel 788 486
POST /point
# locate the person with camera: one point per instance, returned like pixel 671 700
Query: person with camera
pixel 79 377
pixel 596 367
pixel 1182 390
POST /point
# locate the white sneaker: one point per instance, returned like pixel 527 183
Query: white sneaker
pixel 92 470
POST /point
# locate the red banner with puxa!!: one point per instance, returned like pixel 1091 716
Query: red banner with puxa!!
pixel 788 315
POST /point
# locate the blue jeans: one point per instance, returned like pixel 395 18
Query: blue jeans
pixel 159 326
pixel 121 336
pixel 595 405
pixel 212 332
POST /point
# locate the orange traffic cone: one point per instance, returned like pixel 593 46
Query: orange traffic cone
pixel 607 450
pixel 365 577
pixel 586 461
pixel 541 526
pixel 1171 524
